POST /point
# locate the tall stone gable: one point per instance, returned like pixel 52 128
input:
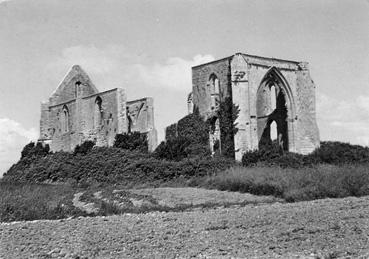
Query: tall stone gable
pixel 275 99
pixel 76 112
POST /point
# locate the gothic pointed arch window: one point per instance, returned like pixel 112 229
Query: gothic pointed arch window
pixel 214 91
pixel 98 113
pixel 65 119
pixel 273 107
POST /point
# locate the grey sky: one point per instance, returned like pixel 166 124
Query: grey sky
pixel 147 47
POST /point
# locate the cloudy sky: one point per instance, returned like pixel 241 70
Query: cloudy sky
pixel 148 47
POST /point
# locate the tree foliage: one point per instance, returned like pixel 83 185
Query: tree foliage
pixel 84 148
pixel 188 138
pixel 31 150
pixel 132 141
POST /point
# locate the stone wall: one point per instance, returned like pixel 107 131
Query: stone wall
pixel 242 76
pixel 201 95
pixel 77 112
pixel 140 114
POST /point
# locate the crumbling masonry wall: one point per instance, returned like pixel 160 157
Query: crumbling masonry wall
pixel 77 112
pixel 255 84
pixel 140 115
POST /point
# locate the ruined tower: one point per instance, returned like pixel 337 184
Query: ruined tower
pixel 275 99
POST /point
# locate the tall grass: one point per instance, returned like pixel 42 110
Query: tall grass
pixel 321 181
pixel 36 201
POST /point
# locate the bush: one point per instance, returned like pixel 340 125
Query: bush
pixel 31 150
pixel 84 148
pixel 188 138
pixel 335 153
pixel 111 165
pixel 132 141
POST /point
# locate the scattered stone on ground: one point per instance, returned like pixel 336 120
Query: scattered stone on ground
pixel 87 207
pixel 173 197
pixel 329 228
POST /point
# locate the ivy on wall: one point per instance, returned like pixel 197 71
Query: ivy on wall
pixel 189 137
pixel 227 114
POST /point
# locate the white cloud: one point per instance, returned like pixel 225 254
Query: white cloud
pixel 94 60
pixel 344 120
pixel 115 66
pixel 13 136
pixel 175 74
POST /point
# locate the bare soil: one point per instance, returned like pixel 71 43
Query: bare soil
pixel 329 228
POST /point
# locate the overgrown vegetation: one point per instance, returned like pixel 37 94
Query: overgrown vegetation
pixel 334 170
pixel 35 150
pixel 111 165
pixel 228 113
pixel 334 153
pixel 186 139
pixel 84 148
pixel 36 201
pixel 132 141
pixel 322 181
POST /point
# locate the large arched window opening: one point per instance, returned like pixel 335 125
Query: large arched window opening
pixel 65 119
pixel 273 110
pixel 214 91
pixel 98 113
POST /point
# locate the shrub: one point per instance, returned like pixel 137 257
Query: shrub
pixel 172 149
pixel 132 141
pixel 111 165
pixel 31 150
pixel 84 148
pixel 188 138
pixel 335 153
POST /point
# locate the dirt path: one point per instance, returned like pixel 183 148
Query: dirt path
pixel 331 228
pixel 173 197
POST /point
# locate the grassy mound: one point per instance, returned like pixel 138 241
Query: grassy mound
pixel 111 165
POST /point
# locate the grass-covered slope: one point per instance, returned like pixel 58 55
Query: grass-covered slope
pixel 19 201
pixel 334 170
pixel 309 183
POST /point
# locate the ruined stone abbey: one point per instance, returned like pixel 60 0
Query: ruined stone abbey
pixel 275 99
pixel 77 112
